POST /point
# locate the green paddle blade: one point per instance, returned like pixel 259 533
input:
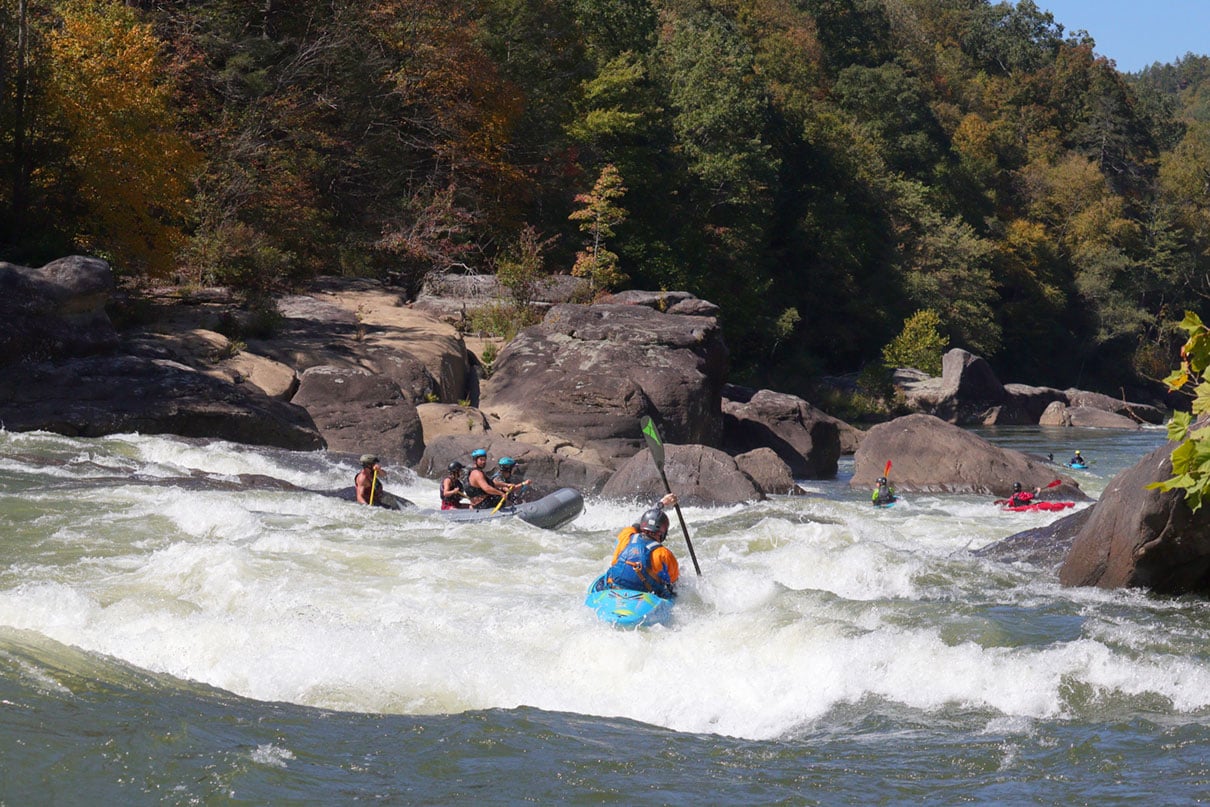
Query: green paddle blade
pixel 653 440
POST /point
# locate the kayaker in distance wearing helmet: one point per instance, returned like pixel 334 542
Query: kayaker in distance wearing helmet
pixel 1020 497
pixel 883 493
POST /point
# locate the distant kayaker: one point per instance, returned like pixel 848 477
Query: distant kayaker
pixel 452 489
pixel 1078 459
pixel 883 493
pixel 1020 497
pixel 641 562
pixel 503 480
pixel 367 484
pixel 482 493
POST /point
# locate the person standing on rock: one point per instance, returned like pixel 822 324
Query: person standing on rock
pixel 452 489
pixel 482 493
pixel 369 489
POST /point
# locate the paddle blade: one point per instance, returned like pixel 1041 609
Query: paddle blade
pixel 501 502
pixel 1055 483
pixel 653 440
pixel 887 470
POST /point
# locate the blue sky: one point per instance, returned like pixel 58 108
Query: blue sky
pixel 1135 33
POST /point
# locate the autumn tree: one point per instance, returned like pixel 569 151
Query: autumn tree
pixel 130 166
pixel 598 215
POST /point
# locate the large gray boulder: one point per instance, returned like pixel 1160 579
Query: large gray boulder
pixel 586 374
pixel 668 302
pixel 1139 412
pixel 930 455
pixel 1143 538
pixel 969 392
pixel 99 395
pixel 441 420
pixel 1026 403
pixel 806 440
pixel 1060 414
pixel 699 475
pixel 358 324
pixel 56 311
pixel 1042 546
pixel 358 411
pixel 767 470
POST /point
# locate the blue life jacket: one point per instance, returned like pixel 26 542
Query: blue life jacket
pixel 631 571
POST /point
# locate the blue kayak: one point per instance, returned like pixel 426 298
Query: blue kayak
pixel 1077 465
pixel 626 608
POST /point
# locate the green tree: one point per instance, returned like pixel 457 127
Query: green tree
pixel 919 345
pixel 522 268
pixel 947 267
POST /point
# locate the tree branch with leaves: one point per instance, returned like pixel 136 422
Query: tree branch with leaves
pixel 1191 459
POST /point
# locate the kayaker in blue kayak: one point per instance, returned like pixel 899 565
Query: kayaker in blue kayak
pixel 482 493
pixel 641 562
pixel 1078 459
pixel 883 493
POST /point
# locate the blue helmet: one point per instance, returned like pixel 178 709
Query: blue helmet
pixel 478 452
pixel 507 462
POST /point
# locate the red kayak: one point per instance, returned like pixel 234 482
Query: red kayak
pixel 1021 508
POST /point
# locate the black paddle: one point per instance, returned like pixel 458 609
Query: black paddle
pixel 657 452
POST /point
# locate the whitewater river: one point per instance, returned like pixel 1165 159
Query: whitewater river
pixel 182 623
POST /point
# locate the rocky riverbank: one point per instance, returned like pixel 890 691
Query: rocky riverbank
pixel 349 366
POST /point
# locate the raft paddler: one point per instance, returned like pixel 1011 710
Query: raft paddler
pixel 479 489
pixel 367 484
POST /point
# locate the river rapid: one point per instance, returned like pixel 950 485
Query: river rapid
pixel 185 622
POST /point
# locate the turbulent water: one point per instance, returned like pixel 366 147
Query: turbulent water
pixel 187 623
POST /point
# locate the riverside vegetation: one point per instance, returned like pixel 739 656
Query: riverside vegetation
pixel 825 169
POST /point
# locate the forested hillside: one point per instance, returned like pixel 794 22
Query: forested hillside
pixel 822 169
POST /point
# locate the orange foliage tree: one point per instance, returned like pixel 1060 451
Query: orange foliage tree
pixel 130 166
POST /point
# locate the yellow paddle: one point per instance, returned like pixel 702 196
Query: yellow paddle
pixel 499 503
pixel 373 485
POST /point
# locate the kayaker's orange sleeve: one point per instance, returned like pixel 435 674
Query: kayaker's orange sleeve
pixel 661 559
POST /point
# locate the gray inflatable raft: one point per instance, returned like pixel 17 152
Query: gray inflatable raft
pixel 552 511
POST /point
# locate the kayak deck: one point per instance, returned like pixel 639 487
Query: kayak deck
pixel 1024 508
pixel 626 608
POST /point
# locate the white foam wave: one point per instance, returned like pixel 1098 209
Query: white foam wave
pixel 804 606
